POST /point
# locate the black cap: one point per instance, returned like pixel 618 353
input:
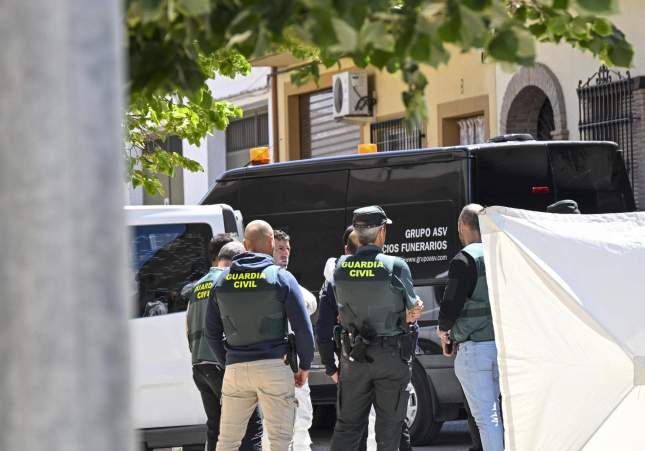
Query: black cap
pixel 564 206
pixel 372 216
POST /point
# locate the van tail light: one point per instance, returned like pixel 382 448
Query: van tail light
pixel 540 189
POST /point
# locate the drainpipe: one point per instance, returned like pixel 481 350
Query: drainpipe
pixel 274 114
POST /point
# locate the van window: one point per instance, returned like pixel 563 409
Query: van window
pixel 513 176
pixel 167 259
pixel 593 175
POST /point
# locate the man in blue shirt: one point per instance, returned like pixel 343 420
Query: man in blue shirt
pixel 247 325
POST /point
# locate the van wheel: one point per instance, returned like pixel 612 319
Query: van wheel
pixel 423 428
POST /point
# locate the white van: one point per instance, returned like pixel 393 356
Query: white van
pixel 169 251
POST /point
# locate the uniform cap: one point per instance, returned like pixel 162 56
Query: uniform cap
pixel 564 206
pixel 372 216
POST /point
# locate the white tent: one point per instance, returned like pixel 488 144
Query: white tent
pixel 568 301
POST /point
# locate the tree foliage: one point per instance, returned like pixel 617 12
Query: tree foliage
pixel 176 45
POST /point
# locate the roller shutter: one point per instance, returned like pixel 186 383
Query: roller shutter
pixel 320 134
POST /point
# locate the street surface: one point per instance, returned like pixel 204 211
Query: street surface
pixel 454 437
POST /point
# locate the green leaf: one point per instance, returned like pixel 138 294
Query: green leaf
pixel 376 35
pixel 599 6
pixel 602 27
pixel 538 30
pixel 504 45
pixel 525 45
pixel 346 35
pixel 621 54
pixel 194 7
pixel 558 25
pixel 579 27
pixel 561 4
pixel 473 30
pixel 449 31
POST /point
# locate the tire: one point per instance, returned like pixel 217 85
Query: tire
pixel 423 428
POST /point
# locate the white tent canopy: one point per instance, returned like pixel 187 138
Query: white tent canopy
pixel 568 301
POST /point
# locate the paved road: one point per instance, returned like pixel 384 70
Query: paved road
pixel 454 437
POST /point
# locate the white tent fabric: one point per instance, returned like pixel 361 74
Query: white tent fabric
pixel 568 301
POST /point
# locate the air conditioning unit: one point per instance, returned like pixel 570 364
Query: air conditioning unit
pixel 351 95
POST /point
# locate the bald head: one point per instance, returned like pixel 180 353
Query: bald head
pixel 258 237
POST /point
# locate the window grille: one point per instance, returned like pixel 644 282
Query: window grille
pixel 605 111
pixel 395 135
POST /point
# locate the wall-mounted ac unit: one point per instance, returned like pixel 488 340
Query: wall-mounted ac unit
pixel 351 96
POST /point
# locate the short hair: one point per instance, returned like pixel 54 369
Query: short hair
pixel 367 235
pixel 351 245
pixel 217 243
pixel 469 216
pixel 280 235
pixel 230 250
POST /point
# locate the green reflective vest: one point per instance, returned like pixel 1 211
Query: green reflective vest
pixel 366 297
pixel 196 317
pixel 475 321
pixel 250 307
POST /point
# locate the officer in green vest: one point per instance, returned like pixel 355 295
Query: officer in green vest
pixel 376 303
pixel 208 373
pixel 466 325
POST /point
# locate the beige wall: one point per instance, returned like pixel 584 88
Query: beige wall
pixel 464 87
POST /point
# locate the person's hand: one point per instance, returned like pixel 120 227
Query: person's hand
pixel 415 312
pixel 301 377
pixel 446 342
pixel 443 335
pixel 334 377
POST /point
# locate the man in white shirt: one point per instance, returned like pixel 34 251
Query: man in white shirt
pixel 305 411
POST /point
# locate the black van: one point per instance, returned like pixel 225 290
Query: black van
pixel 423 192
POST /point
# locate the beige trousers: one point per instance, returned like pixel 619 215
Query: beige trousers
pixel 268 382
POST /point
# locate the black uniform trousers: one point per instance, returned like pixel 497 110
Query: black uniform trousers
pixel 208 379
pixel 404 444
pixel 382 382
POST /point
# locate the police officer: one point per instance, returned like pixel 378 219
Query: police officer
pixel 246 324
pixel 208 373
pixel 327 321
pixel 376 301
pixel 466 323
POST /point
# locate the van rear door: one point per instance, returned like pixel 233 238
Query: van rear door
pixel 517 176
pixel 593 174
pixel 534 175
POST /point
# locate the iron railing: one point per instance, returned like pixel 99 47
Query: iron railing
pixel 395 135
pixel 605 110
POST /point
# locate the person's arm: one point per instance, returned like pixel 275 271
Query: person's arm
pixel 462 277
pixel 327 319
pixel 310 300
pixel 299 319
pixel 404 277
pixel 215 329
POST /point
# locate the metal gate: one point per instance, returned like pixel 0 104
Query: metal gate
pixel 605 111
